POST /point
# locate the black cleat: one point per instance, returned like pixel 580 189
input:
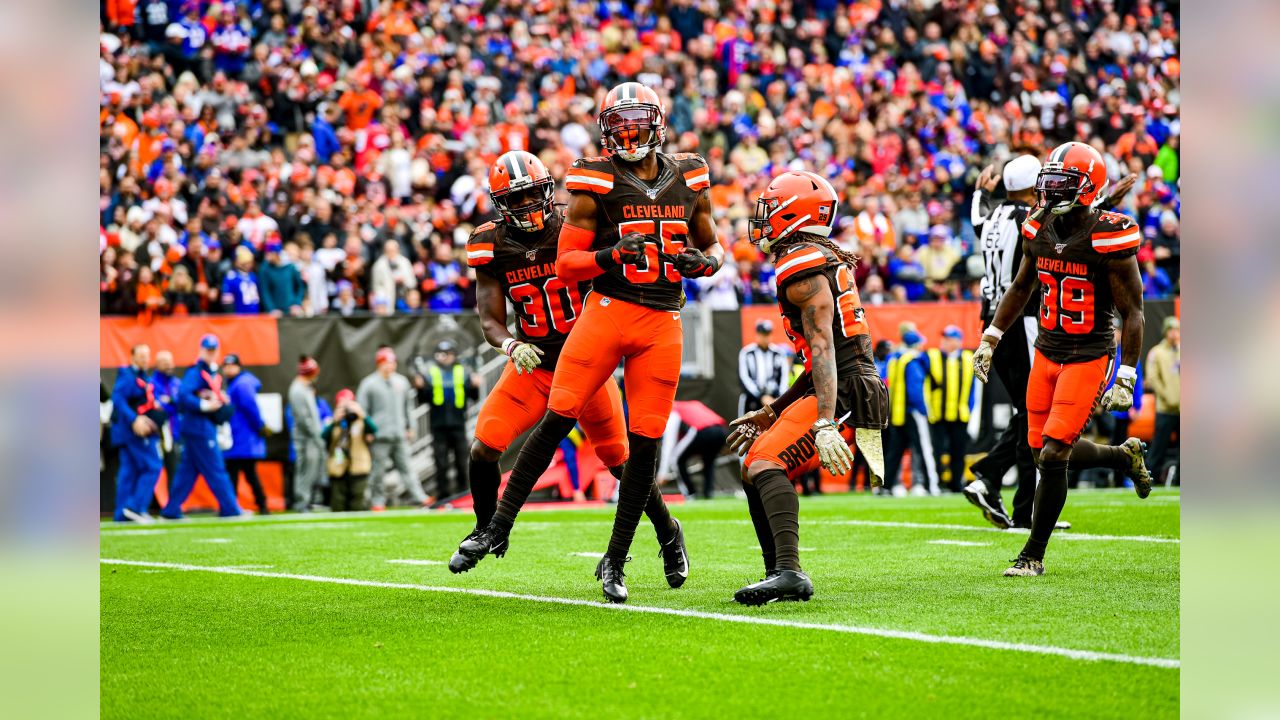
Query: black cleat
pixel 609 573
pixel 989 503
pixel 675 557
pixel 1137 470
pixel 780 585
pixel 1025 566
pixel 489 541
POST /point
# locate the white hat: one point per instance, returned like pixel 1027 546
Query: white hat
pixel 1020 173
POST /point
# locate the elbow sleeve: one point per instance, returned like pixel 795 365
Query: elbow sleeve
pixel 575 260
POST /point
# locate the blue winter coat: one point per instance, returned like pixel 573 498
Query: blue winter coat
pixel 196 423
pixel 246 422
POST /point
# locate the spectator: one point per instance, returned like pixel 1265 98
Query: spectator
pixel 392 274
pixel 345 303
pixel 445 280
pixel 385 396
pixel 181 297
pixel 693 431
pixel 136 419
pixel 949 385
pixel 308 445
pixel 248 430
pixel 1164 368
pixel 763 370
pixel 447 388
pixel 348 436
pixel 938 258
pixel 240 285
pixel 906 275
pixel 283 290
pixel 202 407
pixel 315 277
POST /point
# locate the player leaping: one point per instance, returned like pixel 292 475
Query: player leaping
pixel 515 259
pixel 1084 260
pixel 629 219
pixel 840 397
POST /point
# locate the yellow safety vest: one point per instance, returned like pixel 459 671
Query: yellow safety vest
pixel 948 386
pixel 898 386
pixel 437 386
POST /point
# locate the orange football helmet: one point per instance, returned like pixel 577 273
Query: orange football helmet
pixel 627 113
pixel 522 190
pixel 794 202
pixel 1074 174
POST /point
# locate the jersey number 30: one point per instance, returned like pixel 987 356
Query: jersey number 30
pixel 1067 303
pixel 545 306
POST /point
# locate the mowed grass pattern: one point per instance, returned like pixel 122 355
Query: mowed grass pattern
pixel 200 644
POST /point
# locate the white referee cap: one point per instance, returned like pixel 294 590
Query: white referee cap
pixel 1020 173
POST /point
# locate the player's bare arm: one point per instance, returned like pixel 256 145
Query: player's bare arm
pixel 1126 289
pixel 491 306
pixel 813 295
pixel 705 255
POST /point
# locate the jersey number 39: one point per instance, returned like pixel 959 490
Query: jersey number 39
pixel 1066 303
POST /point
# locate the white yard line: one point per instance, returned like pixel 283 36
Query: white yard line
pixel 1064 535
pixel 218 541
pixel 1072 654
pixel 416 562
pixel 592 555
pixel 961 543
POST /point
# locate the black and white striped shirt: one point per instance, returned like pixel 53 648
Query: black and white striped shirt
pixel 999 231
pixel 763 371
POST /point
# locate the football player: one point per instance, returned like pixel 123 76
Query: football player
pixel 638 222
pixel 1084 261
pixel 515 259
pixel 838 398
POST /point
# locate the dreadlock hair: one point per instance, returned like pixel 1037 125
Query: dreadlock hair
pixel 803 237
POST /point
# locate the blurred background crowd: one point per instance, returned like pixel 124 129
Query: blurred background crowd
pixel 295 158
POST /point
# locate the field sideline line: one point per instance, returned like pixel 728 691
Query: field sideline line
pixel 1086 655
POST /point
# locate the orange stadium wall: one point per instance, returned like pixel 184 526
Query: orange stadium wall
pixel 930 319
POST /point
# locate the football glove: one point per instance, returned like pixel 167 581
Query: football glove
pixel 524 356
pixel 629 249
pixel 749 427
pixel 982 357
pixel 1120 395
pixel 692 263
pixel 833 451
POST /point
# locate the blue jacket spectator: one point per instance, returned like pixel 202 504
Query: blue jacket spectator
pixel 133 390
pixel 197 423
pixel 280 284
pixel 133 397
pixel 240 285
pixel 247 436
pixel 327 144
pixel 204 406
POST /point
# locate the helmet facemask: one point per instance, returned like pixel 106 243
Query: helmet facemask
pixel 759 229
pixel 527 206
pixel 1059 189
pixel 631 131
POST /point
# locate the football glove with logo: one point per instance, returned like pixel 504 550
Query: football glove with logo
pixel 524 356
pixel 833 451
pixel 692 263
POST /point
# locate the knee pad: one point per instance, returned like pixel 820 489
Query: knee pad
pixel 646 424
pixel 565 402
pixel 612 454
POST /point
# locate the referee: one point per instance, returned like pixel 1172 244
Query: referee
pixel 763 370
pixel 998 227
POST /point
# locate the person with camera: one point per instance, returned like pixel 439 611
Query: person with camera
pixel 348 437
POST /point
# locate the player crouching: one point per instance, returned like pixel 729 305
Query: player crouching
pixel 839 397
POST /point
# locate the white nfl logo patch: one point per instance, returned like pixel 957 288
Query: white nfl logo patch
pixel 1060 247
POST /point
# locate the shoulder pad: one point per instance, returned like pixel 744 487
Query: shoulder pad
pixel 590 174
pixel 798 260
pixel 697 175
pixel 1030 228
pixel 480 245
pixel 1115 232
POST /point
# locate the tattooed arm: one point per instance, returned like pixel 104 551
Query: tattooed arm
pixel 817 309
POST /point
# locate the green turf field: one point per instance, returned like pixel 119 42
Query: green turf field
pixel 311 616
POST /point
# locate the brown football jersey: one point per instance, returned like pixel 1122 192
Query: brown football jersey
pixel 660 209
pixel 525 265
pixel 1076 304
pixel 862 400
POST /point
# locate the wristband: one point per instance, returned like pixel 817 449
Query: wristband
pixel 1126 372
pixel 994 332
pixel 823 424
pixel 608 258
pixel 507 345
